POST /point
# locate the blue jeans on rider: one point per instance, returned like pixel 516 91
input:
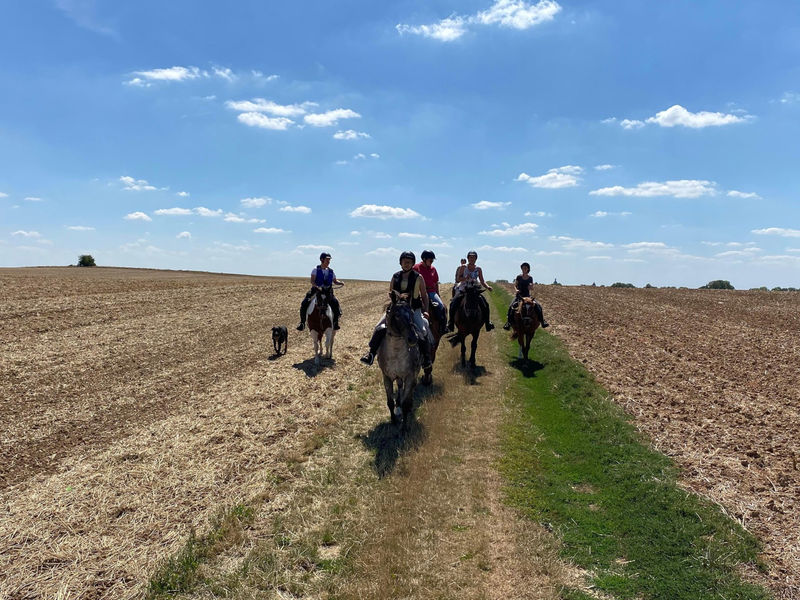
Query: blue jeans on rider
pixel 442 314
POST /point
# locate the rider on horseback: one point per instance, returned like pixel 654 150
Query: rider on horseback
pixel 322 276
pixel 431 276
pixel 470 272
pixel 522 287
pixel 406 281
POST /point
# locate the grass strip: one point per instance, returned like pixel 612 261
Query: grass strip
pixel 574 462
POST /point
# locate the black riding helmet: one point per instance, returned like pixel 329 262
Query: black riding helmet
pixel 408 254
pixel 472 253
pixel 427 254
pixel 323 256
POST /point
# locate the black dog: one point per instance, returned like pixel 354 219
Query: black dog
pixel 280 336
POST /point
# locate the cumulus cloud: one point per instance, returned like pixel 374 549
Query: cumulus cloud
pixel 572 243
pixel 790 98
pixel 747 252
pixel 631 124
pixel 538 213
pixel 27 234
pixel 270 230
pixel 486 205
pixel 137 216
pixel 682 188
pixel 384 252
pixel 255 202
pixel 738 194
pixel 184 235
pixel 296 209
pixel 376 211
pixel 176 211
pixel 514 14
pixel 415 236
pixel 261 105
pixel 207 212
pixel 678 116
pixel 604 167
pixel 33 199
pixel 522 229
pixel 234 218
pixel 779 231
pixel 321 247
pixel 561 177
pixel 331 117
pixel 136 185
pixel 600 214
pixel 487 248
pixel 168 74
pixel 3 195
pixel 224 73
pixel 350 134
pixel 80 228
pixel 256 119
pixel 645 246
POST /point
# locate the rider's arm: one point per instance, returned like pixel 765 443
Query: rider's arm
pixel 483 283
pixel 460 274
pixel 313 277
pixel 423 293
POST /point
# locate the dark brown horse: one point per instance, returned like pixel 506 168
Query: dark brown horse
pixel 437 330
pixel 525 323
pixel 320 324
pixel 468 320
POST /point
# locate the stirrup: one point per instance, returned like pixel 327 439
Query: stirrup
pixel 301 326
pixel 545 324
pixel 368 358
pixel 489 326
pixel 507 326
pixel 336 326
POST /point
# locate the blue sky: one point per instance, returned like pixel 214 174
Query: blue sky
pixel 600 141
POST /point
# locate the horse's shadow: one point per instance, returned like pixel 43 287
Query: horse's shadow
pixel 528 367
pixel 470 374
pixel 276 355
pixel 310 368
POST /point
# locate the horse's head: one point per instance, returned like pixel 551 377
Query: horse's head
pixel 323 295
pixel 399 314
pixel 527 313
pixel 472 293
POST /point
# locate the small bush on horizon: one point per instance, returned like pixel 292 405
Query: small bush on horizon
pixel 648 286
pixel 619 284
pixel 86 260
pixel 718 284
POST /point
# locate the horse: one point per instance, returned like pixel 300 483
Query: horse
pixel 437 330
pixel 399 359
pixel 525 323
pixel 320 324
pixel 468 320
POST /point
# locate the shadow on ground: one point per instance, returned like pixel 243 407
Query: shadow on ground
pixel 312 370
pixel 528 368
pixel 470 374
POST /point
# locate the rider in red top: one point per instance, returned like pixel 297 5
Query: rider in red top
pixel 431 277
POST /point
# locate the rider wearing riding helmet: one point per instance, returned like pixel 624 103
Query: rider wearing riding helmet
pixel 406 281
pixel 470 272
pixel 431 276
pixel 322 276
pixel 522 287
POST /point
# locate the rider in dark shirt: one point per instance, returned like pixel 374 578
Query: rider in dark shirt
pixel 522 286
pixel 321 276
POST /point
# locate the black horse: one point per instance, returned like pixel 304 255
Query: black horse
pixel 468 320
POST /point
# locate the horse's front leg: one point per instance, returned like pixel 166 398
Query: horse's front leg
pixel 463 351
pixel 388 385
pixel 473 347
pixel 329 343
pixel 407 394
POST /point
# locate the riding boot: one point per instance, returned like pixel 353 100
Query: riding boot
pixel 509 316
pixel 540 314
pixel 336 316
pixel 485 314
pixel 374 343
pixel 303 310
pixel 453 303
pixel 425 352
pixel 337 312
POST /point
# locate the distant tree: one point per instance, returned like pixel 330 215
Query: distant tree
pixel 648 286
pixel 86 260
pixel 619 284
pixel 763 288
pixel 718 284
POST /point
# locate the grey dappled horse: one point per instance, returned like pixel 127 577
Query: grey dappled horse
pixel 399 359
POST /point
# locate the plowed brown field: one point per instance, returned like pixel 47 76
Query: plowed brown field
pixel 712 377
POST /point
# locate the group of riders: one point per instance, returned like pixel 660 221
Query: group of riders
pixel 419 281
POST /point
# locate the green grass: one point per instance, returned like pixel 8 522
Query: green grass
pixel 574 463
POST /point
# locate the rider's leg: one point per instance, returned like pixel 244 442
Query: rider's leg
pixel 424 342
pixel 540 314
pixel 337 310
pixel 442 316
pixel 509 316
pixel 485 313
pixel 303 310
pixel 453 307
pixel 375 342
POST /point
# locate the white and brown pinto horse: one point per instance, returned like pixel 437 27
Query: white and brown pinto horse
pixel 320 324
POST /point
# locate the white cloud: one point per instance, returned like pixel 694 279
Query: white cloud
pixel 380 235
pixel 255 202
pixel 631 124
pixel 224 73
pixel 486 205
pixel 780 231
pixel 184 235
pixel 296 209
pixel 80 228
pixel 515 14
pixel 738 194
pixel 539 213
pixel 598 258
pixel 33 199
pixel 384 252
pixel 136 185
pixel 259 75
pixel 572 243
pixel 604 167
pixel 137 216
pixel 171 74
pixel 234 218
pixel 270 230
pixel 376 211
pixel 341 162
pixel 599 214
pixel 602 213
pixel 487 248
pixel 255 119
pixel 790 98
pixel 522 229
pixel 683 188
pixel 350 134
pixel 27 234
pixel 182 194
pixel 678 116
pixel 207 212
pixel 645 246
pixel 415 236
pixel 331 117
pixel 176 211
pixel 374 155
pixel 747 252
pixel 260 105
pixel 560 177
pixel 3 195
